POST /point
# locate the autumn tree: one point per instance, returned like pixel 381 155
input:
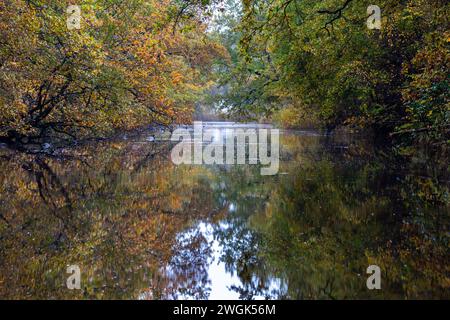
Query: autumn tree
pixel 127 66
pixel 316 61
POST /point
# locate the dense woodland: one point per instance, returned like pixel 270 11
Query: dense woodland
pixel 317 63
pixel 297 63
pixel 129 217
pixel 132 63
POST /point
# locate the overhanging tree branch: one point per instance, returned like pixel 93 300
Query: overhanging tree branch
pixel 335 14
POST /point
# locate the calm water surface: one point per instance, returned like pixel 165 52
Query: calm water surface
pixel 140 227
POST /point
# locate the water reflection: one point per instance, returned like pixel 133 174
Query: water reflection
pixel 141 228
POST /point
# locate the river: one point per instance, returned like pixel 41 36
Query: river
pixel 140 227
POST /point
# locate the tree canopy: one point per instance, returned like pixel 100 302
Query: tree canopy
pixel 303 62
pixel 293 62
pixel 131 63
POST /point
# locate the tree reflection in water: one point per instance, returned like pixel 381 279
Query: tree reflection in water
pixel 340 209
pixel 130 219
pixel 115 210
